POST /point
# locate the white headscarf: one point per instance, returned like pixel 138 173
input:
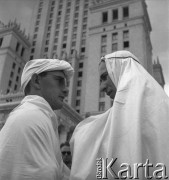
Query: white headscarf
pixel 41 65
pixel 133 130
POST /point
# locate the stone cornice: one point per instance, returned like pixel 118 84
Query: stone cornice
pixel 109 3
pixel 115 23
pixel 17 33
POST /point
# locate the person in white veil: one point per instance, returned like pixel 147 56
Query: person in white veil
pixel 132 134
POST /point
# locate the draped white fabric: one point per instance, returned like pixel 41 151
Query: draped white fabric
pixel 29 146
pixel 133 130
pixel 40 65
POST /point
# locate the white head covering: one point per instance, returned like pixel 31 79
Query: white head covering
pixel 41 65
pixel 133 130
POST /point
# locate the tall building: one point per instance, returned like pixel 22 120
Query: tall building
pixel 14 51
pixel 81 32
pixel 158 73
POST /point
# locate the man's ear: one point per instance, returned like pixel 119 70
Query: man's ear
pixel 35 81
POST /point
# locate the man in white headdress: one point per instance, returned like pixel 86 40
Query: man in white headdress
pixel 130 140
pixel 29 141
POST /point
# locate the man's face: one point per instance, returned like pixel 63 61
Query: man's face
pixel 106 83
pixel 53 88
pixel 66 154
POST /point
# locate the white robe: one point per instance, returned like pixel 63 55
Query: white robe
pixel 134 129
pixel 29 146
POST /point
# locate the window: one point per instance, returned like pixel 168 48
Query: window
pixel 83 42
pixel 37 23
pixel 102 94
pixel 68 4
pixel 50 21
pixel 57 26
pixel 31 57
pixel 17 78
pixel 53 2
pixel 76 15
pixel 77 102
pixel 49 28
pixel 101 106
pixel 54 47
pixel 38 17
pixel 81 65
pixel 11 75
pixel 114 47
pixel 15 88
pixel 1 40
pixel 74 36
pixel 36 29
pixel 73 43
pixel 68 11
pixel 65 31
pixel 115 14
pixel 72 51
pixel 40 10
pixel 84 34
pixel 125 34
pixel 56 40
pixel 77 8
pixel 59 13
pixel 78 93
pixel 51 15
pixel 41 3
pixel 64 45
pixel 13 66
pixel 126 44
pixel 125 12
pixel 52 8
pixel 84 27
pixel 33 43
pixel 75 29
pixel 9 83
pixel 19 70
pixel 79 83
pixel 104 39
pixel 22 51
pixel 104 17
pixel 85 19
pixel 47 42
pixel 86 6
pixel 32 50
pixel 66 24
pixel 48 35
pixel 83 49
pixel 85 13
pixel 58 19
pixel 75 22
pixel 56 33
pixel 17 46
pixel 35 36
pixel 46 49
pixel 64 38
pixel 103 49
pixel 80 74
pixel 114 36
pixel 67 17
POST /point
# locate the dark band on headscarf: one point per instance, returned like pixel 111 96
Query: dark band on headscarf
pixel 103 58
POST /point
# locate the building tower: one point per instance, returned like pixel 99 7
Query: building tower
pixel 158 73
pixel 14 51
pixel 81 32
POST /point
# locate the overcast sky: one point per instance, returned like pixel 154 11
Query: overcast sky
pixel 158 11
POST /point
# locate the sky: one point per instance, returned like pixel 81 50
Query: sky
pixel 158 11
